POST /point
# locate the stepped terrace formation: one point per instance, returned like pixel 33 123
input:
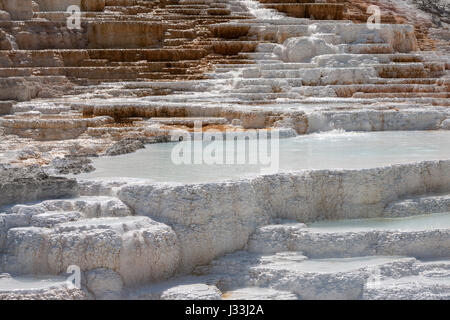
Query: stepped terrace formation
pixel 360 208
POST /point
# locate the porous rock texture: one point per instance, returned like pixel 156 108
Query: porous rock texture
pixel 20 184
pixel 137 70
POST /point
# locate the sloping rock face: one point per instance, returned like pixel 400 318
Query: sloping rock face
pixel 440 9
pixel 18 10
pixel 136 71
pixel 121 248
pixel 428 17
pixel 137 248
pixel 31 183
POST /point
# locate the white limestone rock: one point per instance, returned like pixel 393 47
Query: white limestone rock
pixel 446 124
pixel 105 284
pixel 303 49
pixel 3 232
pixel 409 288
pixel 24 184
pixel 50 213
pixel 221 216
pixel 28 153
pixel 19 10
pixel 207 227
pixel 104 187
pixel 255 293
pixel 429 281
pixel 38 288
pixel 345 76
pixel 308 279
pixel 275 238
pixel 400 37
pixel 192 292
pixel 251 73
pixel 90 207
pixel 418 205
pixel 370 120
pixel 50 219
pixel 288 31
pixel 181 288
pixel 311 77
pixel 137 248
pixel 313 91
pixel 336 61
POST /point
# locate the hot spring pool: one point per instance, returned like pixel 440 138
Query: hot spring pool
pixel 331 150
pixel 413 223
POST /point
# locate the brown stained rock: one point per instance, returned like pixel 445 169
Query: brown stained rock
pixel 5 107
pixel 62 5
pixel 158 42
pixel 19 10
pixel 230 31
pixel 116 34
pixel 111 42
pixel 316 11
pixel 70 165
pixel 356 11
pixel 26 88
pixel 51 129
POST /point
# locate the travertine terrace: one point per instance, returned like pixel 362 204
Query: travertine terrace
pixel 137 69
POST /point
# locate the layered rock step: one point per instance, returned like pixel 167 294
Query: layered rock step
pixel 57 127
pixel 349 61
pixel 307 9
pixel 109 243
pixel 365 74
pixel 420 237
pixel 50 213
pixel 293 260
pixel 291 276
pixel 96 37
pixel 344 278
pixel 419 205
pixel 48 31
pixel 247 65
pixel 129 117
pixel 38 288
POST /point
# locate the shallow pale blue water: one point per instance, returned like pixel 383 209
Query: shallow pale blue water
pixel 414 223
pixel 30 283
pixel 331 150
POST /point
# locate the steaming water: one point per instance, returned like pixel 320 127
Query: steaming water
pixel 331 150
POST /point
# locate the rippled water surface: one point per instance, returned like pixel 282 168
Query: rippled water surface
pixel 332 150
